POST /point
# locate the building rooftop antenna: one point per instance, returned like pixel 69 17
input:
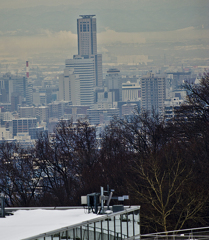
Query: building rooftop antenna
pixel 87 16
pixel 96 201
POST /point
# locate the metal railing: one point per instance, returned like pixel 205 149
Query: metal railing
pixel 184 234
pixel 87 228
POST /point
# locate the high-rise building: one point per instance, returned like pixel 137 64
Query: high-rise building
pixel 16 99
pixel 98 70
pixel 113 82
pixel 153 92
pixel 84 72
pixel 42 113
pixel 22 125
pixel 84 69
pixel 87 44
pixel 18 85
pixel 10 84
pixel 4 88
pixel 87 35
pixel 69 87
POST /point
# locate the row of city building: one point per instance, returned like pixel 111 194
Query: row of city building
pixel 29 105
pixel 114 99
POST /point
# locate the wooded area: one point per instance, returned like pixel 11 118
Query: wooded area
pixel 163 165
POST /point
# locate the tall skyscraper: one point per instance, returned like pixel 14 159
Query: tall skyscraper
pixel 87 44
pixel 87 35
pixel 153 92
pixel 84 72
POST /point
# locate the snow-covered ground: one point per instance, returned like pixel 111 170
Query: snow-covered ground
pixel 28 223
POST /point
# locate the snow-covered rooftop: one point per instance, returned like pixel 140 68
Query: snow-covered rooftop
pixel 28 223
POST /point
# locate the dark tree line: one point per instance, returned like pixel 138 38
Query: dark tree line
pixel 162 165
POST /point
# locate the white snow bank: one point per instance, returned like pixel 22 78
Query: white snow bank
pixel 28 223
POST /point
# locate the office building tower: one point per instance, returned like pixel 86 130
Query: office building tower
pixel 84 69
pixel 4 88
pixel 22 125
pixel 87 44
pixel 98 70
pixel 10 84
pixel 153 93
pixel 16 99
pixel 29 94
pixel 19 85
pixel 84 72
pixel 113 82
pixel 87 35
pixel 69 87
pixel 42 113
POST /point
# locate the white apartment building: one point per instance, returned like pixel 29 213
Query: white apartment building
pixel 84 69
pixel 69 87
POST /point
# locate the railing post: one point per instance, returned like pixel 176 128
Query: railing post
pixel 2 205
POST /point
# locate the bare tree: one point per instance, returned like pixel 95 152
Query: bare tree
pixel 165 185
pixel 67 159
pixel 115 159
pixel 19 179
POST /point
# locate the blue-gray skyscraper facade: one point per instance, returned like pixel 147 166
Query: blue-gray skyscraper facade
pixel 87 35
pixel 87 44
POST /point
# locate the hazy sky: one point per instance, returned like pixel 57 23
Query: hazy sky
pixel 29 26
